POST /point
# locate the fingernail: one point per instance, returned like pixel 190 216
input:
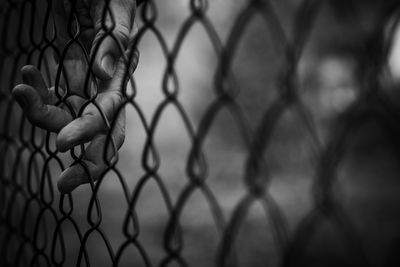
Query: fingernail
pixel 108 64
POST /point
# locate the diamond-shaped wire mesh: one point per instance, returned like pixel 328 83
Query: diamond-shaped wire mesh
pixel 208 187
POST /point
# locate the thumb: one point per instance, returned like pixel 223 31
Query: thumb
pixel 114 29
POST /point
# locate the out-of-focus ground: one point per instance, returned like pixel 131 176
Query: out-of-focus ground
pixel 368 176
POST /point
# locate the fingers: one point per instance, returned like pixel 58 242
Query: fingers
pixel 81 130
pixel 93 164
pixel 123 71
pixel 91 122
pixel 47 117
pixel 32 76
pixel 33 98
pixel 76 175
pixel 105 48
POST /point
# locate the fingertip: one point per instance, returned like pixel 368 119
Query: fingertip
pixel 28 71
pixel 23 93
pixel 60 183
pixel 62 141
pixel 63 188
pixel 70 136
pixel 66 137
pixel 19 90
pixel 76 175
pixel 69 179
pixel 79 131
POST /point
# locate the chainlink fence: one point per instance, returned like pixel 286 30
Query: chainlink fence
pixel 262 186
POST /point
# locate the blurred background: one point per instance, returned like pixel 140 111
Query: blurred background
pixel 330 78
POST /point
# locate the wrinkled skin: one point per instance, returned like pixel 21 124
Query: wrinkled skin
pixel 110 71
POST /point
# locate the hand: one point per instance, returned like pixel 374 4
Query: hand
pixel 105 40
pixel 39 105
pixel 106 35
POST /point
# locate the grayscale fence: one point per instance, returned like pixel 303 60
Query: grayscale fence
pixel 259 162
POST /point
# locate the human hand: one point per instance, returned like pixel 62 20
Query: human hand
pixel 42 108
pixel 104 28
pixel 99 42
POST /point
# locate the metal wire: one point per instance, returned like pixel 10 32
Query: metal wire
pixel 33 213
